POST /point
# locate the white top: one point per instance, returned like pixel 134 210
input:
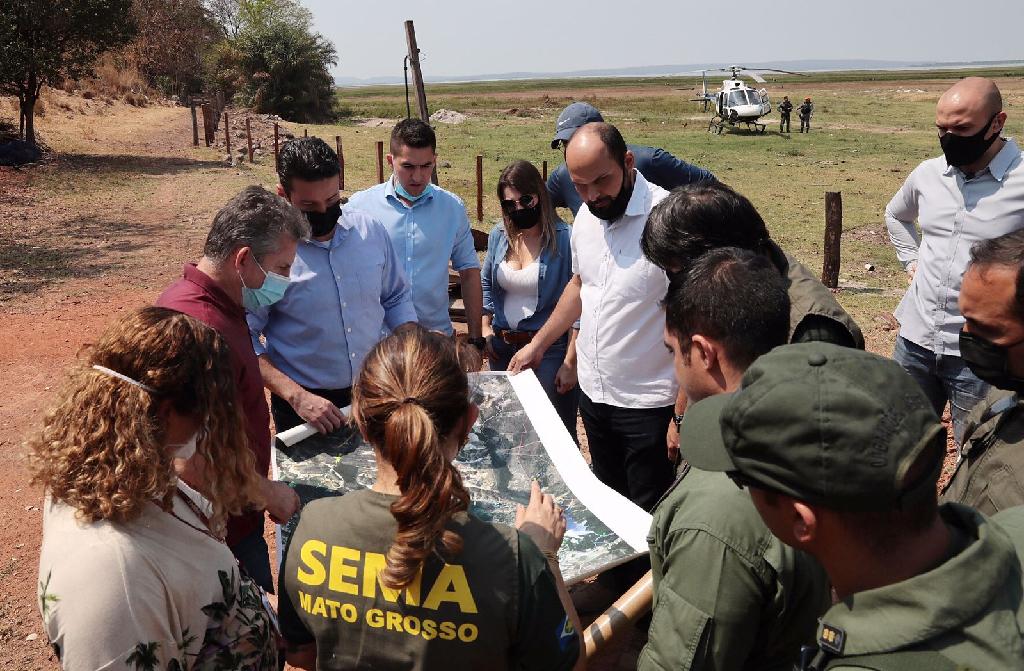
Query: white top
pixel 621 355
pixel 115 595
pixel 521 291
pixel 954 213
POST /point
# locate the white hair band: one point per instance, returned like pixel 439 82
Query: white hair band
pixel 122 376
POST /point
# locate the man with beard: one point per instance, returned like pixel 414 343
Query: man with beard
pixel 625 374
pixel 990 473
pixel 655 164
pixel 975 191
pixel 346 290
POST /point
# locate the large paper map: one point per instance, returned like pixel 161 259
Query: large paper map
pixel 518 438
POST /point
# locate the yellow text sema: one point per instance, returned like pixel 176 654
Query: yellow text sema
pixel 356 573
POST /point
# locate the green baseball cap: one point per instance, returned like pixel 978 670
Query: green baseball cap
pixel 828 425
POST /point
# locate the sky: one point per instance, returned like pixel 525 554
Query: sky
pixel 468 37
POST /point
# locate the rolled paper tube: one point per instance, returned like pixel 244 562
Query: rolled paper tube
pixel 620 616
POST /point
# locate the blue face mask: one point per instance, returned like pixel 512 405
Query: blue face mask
pixel 400 190
pixel 270 292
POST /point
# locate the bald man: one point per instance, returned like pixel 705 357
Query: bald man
pixel 973 192
pixel 625 373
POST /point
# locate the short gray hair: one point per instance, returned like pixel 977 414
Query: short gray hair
pixel 254 218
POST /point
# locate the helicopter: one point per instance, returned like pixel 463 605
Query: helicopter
pixel 735 102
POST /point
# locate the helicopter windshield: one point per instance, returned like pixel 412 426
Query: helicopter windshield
pixel 742 97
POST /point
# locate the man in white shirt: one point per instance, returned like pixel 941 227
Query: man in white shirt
pixel 975 191
pixel 626 375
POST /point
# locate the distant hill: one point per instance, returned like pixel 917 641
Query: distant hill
pixel 807 65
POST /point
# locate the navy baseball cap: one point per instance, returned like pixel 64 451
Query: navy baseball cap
pixel 571 118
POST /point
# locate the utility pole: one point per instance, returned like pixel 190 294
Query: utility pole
pixel 417 78
pixel 417 74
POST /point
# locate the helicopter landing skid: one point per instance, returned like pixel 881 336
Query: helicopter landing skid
pixel 717 125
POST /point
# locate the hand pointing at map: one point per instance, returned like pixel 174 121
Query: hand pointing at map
pixel 541 520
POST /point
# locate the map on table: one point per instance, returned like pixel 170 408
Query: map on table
pixel 517 439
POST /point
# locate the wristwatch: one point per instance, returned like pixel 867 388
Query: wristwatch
pixel 678 419
pixel 480 343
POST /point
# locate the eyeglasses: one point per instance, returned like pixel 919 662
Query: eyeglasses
pixel 526 201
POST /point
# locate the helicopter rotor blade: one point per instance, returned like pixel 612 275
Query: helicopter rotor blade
pixel 757 78
pixel 785 72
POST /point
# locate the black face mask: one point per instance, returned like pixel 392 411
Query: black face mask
pixel 989 361
pixel 961 150
pixel 322 223
pixel 617 207
pixel 526 218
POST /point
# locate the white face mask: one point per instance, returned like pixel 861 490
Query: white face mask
pixel 187 449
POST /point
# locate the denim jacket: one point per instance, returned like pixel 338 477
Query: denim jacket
pixel 555 273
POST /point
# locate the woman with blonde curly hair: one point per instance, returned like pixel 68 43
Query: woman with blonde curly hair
pixel 133 571
pixel 400 576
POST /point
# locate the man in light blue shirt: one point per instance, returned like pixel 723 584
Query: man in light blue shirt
pixel 346 291
pixel 974 192
pixel 428 227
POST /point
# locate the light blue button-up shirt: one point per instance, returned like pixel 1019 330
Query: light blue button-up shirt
pixel 954 213
pixel 344 295
pixel 426 235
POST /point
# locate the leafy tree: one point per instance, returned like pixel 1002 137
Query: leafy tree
pixel 43 42
pixel 172 37
pixel 275 62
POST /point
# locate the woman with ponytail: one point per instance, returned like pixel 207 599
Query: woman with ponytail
pixel 400 576
pixel 133 571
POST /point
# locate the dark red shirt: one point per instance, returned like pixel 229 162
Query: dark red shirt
pixel 197 295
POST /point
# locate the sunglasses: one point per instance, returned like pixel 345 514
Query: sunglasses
pixel 527 201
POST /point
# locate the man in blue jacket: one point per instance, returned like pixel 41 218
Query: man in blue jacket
pixel 656 165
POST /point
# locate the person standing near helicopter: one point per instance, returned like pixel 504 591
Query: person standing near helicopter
pixel 806 110
pixel 785 108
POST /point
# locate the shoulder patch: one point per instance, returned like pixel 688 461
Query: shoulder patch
pixel 566 634
pixel 832 639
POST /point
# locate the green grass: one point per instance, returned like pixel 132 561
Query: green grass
pixel 871 129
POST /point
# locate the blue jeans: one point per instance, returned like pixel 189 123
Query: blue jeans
pixel 253 555
pixel 942 377
pixel 565 404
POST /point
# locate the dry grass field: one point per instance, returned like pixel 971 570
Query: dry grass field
pixel 124 200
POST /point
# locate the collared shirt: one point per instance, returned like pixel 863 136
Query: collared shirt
pixel 753 602
pixel 656 165
pixel 968 609
pixel 426 235
pixel 989 475
pixel 344 295
pixel 621 356
pixel 197 295
pixel 555 271
pixel 954 213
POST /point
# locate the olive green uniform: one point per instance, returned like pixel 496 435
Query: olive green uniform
pixel 814 314
pixel 990 473
pixel 497 607
pixel 967 613
pixel 727 594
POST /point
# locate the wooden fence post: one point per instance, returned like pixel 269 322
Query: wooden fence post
pixel 248 136
pixel 341 163
pixel 195 123
pixel 479 187
pixel 833 235
pixel 275 145
pixel 544 172
pixel 227 139
pixel 207 115
pixel 305 132
pixel 380 161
